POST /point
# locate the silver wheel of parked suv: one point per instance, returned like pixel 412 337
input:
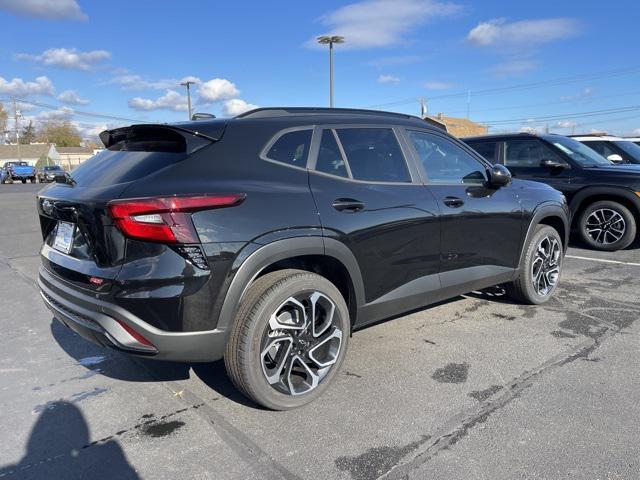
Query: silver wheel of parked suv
pixel 607 225
pixel 288 340
pixel 540 267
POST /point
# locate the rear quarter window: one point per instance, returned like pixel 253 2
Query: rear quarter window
pixel 291 148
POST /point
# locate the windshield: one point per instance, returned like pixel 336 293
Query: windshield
pixel 629 148
pixel 578 152
pixel 52 167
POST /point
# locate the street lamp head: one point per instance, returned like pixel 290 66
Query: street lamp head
pixel 328 39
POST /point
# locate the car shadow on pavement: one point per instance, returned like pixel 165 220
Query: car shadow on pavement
pixel 114 364
pixel 59 447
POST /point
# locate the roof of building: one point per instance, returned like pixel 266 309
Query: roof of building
pixel 68 150
pixel 26 151
pixel 460 127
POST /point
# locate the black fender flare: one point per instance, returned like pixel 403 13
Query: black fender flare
pixel 250 265
pixel 579 197
pixel 542 211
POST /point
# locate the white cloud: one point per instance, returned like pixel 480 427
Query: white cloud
pixel 217 89
pixel 435 85
pixel 128 81
pixel 513 67
pixel 47 9
pixel 72 98
pixel 526 33
pixel 68 58
pixel 585 92
pixel 171 100
pixel 236 106
pixel 566 124
pixel 380 23
pixel 636 132
pixel 388 79
pixel 19 88
pixel 62 113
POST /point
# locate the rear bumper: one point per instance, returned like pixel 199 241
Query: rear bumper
pixel 102 323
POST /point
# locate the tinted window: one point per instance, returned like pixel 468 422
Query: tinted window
pixel 374 154
pixel 329 157
pixel 444 161
pixel 577 151
pixel 528 153
pixel 630 149
pixel 486 149
pixel 291 148
pixel 601 147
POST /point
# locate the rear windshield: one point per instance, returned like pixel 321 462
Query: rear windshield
pixel 135 155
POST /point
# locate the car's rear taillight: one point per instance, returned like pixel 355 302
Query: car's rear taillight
pixel 165 219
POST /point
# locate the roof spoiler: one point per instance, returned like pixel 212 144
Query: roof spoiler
pixel 211 131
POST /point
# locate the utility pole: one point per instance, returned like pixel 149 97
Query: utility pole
pixel 423 108
pixel 188 84
pixel 468 103
pixel 16 127
pixel 330 40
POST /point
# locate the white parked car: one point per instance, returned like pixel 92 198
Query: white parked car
pixel 615 149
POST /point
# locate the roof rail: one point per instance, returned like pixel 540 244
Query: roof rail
pixel 295 111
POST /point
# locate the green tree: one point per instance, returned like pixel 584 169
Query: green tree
pixel 28 134
pixel 62 134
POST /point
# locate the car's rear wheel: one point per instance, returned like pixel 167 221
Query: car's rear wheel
pixel 607 225
pixel 288 340
pixel 540 267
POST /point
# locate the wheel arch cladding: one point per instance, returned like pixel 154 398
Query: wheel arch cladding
pixel 551 214
pixel 335 262
pixel 587 196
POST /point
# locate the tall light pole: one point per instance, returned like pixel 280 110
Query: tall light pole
pixel 330 40
pixel 188 84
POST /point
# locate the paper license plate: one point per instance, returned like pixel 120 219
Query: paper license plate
pixel 64 237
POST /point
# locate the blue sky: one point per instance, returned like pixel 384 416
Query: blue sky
pixel 126 59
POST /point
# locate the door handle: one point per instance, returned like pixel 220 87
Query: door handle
pixel 453 202
pixel 347 205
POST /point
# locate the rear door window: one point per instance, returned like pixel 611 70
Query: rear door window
pixel 374 154
pixel 330 158
pixel 486 149
pixel 291 148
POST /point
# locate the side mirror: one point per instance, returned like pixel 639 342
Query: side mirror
pixel 499 176
pixel 615 158
pixel 552 164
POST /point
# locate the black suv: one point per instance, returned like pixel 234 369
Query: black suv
pixel 604 198
pixel 267 238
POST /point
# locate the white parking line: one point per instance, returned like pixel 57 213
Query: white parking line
pixel 603 260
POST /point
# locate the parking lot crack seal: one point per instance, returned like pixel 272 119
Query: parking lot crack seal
pixel 459 426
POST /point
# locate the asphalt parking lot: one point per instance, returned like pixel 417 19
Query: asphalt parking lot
pixel 477 387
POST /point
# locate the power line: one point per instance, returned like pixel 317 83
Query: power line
pixel 73 111
pixel 525 86
pixel 563 116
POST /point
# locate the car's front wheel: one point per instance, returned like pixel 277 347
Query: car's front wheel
pixel 288 340
pixel 540 267
pixel 607 225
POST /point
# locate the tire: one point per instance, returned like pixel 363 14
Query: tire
pixel 248 359
pixel 24 180
pixel 534 286
pixel 607 225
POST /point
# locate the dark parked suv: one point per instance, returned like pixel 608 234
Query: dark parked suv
pixel 267 238
pixel 604 198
